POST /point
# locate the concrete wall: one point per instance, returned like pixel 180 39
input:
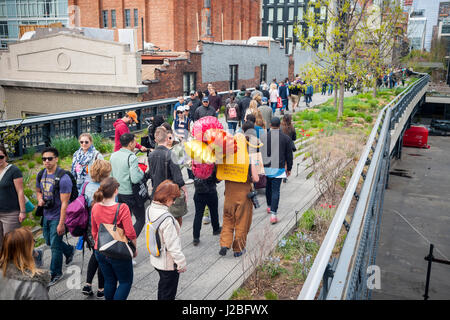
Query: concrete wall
pixel 217 58
pixel 72 59
pixel 55 101
pixel 301 59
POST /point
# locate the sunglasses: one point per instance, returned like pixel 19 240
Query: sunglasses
pixel 2 157
pixel 85 142
pixel 47 159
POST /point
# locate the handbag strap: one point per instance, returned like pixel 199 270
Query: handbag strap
pixel 115 217
pixel 4 171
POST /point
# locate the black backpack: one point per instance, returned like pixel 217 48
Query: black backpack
pixel 58 175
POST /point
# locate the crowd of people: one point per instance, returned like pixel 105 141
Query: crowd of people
pixel 109 188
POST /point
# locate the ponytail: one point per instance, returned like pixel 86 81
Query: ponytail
pixel 106 189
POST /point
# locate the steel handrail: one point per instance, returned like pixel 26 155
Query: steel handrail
pixel 312 283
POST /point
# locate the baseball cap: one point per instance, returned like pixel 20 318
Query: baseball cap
pixel 205 99
pixel 192 92
pixel 186 108
pixel 264 99
pixel 180 108
pixel 133 116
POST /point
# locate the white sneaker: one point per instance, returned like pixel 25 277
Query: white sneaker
pixel 189 181
pixel 206 219
pixel 134 263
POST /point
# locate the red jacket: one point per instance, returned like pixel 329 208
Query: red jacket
pixel 121 128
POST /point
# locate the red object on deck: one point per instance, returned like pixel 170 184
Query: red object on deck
pixel 416 137
pixel 143 167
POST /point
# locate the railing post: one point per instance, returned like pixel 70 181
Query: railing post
pixel 76 127
pixel 99 123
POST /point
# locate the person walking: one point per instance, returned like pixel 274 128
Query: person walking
pixel 20 279
pixel 266 111
pixel 324 88
pixel 241 93
pixel 83 158
pixel 162 167
pixel 283 92
pixel 215 100
pixel 237 214
pixel 243 104
pixel 121 127
pixel 12 197
pixel 277 165
pixel 126 170
pixel 205 110
pixel 308 95
pixel 180 103
pixel 171 261
pixel 273 97
pixel 100 170
pixel 232 114
pixel 105 211
pixel 206 196
pixel 54 201
pixel 294 90
pixel 181 131
pixel 195 102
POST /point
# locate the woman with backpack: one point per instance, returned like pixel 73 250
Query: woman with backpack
pixel 273 96
pixel 19 277
pixel 83 158
pixel 171 260
pixel 232 114
pixel 100 170
pixel 104 212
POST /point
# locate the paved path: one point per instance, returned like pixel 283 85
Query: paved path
pixel 416 211
pixel 209 275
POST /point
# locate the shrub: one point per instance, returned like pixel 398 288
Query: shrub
pixel 307 220
pixel 31 164
pixel 21 168
pixel 270 295
pixel 101 144
pixel 29 154
pixel 65 146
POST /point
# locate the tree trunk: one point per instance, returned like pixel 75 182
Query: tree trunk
pixel 341 100
pixel 374 92
pixel 335 95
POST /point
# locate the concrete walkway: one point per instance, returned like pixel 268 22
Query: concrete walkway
pixel 209 275
pixel 416 212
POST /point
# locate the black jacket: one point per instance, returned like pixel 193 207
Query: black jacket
pixel 206 185
pixel 243 104
pixel 203 112
pixel 285 154
pixel 161 167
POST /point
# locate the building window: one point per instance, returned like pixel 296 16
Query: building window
pixel 270 30
pixel 290 31
pixel 291 14
pixel 127 18
pixel 280 31
pixel 291 1
pixel 233 77
pixel 113 19
pixel 300 14
pixel 105 18
pixel 189 80
pixel 323 13
pixel 271 1
pixel 270 18
pixel 263 73
pixel 3 29
pixel 280 14
pixel 136 17
pixel 290 47
pixel 280 1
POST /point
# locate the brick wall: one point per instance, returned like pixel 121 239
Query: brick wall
pixel 172 24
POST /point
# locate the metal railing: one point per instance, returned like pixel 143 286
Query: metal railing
pixel 349 276
pixel 42 129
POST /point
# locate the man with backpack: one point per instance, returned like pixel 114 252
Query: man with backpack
pixel 126 170
pixel 55 188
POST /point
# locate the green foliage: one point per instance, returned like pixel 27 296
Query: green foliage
pixel 21 168
pixel 241 294
pixel 170 119
pixel 307 220
pixel 102 144
pixel 273 269
pixel 28 192
pixel 65 146
pixel 31 164
pixel 11 135
pixel 29 154
pixel 270 295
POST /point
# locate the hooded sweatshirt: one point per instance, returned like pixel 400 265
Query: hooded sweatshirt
pixel 121 128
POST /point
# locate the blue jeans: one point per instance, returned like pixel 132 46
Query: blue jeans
pixel 57 246
pixel 285 103
pixel 232 127
pixel 274 106
pixel 273 193
pixel 114 271
pixel 330 89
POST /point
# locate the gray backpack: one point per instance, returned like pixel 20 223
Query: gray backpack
pixel 152 237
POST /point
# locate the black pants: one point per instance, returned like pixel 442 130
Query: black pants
pixel 168 284
pixel 201 200
pixel 137 209
pixel 92 268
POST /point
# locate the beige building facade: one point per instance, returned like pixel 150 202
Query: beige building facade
pixel 67 72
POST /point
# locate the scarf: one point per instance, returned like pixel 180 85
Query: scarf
pixel 81 162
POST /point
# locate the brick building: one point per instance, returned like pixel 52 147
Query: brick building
pixel 175 25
